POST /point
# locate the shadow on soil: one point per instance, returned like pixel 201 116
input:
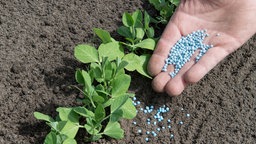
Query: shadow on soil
pixel 38 130
pixel 60 80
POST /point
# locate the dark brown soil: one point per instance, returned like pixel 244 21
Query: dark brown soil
pixel 37 39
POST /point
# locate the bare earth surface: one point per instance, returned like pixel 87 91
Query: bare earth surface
pixel 37 38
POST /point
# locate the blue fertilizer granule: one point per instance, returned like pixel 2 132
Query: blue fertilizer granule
pixel 156 121
pixel 183 50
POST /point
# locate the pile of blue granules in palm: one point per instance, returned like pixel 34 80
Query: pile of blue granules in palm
pixel 183 50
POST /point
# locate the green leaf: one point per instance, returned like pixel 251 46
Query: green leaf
pixel 51 138
pixel 54 125
pixel 129 110
pixel 69 129
pixel 97 72
pixel 84 112
pixel 155 3
pixel 111 50
pixel 103 35
pixel 142 69
pixel 108 102
pixel 175 2
pixel 125 32
pixel 120 72
pixel 108 70
pixel 67 114
pixel 137 18
pixel 118 103
pixel 99 113
pixel 96 137
pixel 79 77
pixel 150 32
pixel 98 99
pixel 139 33
pixel 116 116
pixel 86 54
pixel 146 20
pixel 83 77
pixel 120 85
pixel 87 78
pixel 133 61
pixel 127 20
pixel 70 141
pixel 114 130
pixel 91 129
pixel 147 44
pixel 122 65
pixel 101 90
pixel 87 83
pixel 41 116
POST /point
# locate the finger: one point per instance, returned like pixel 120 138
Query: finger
pixel 160 81
pixel 209 60
pixel 175 86
pixel 170 36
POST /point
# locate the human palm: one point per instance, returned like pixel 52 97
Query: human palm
pixel 229 23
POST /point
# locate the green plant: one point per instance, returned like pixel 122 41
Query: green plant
pixel 166 8
pixel 105 84
pixel 105 100
pixel 139 42
pixel 135 28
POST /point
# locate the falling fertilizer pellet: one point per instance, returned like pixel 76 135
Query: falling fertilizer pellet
pixel 183 50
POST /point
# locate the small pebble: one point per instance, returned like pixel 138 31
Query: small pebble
pixel 181 122
pixel 187 115
pixel 172 136
pixel 139 131
pixel 134 122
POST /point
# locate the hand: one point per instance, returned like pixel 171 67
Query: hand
pixel 229 23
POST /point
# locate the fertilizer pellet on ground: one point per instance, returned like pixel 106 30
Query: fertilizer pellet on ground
pixel 155 119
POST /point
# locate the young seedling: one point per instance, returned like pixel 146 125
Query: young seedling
pixel 105 84
pixel 140 43
pixel 105 100
pixel 135 28
pixel 166 8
